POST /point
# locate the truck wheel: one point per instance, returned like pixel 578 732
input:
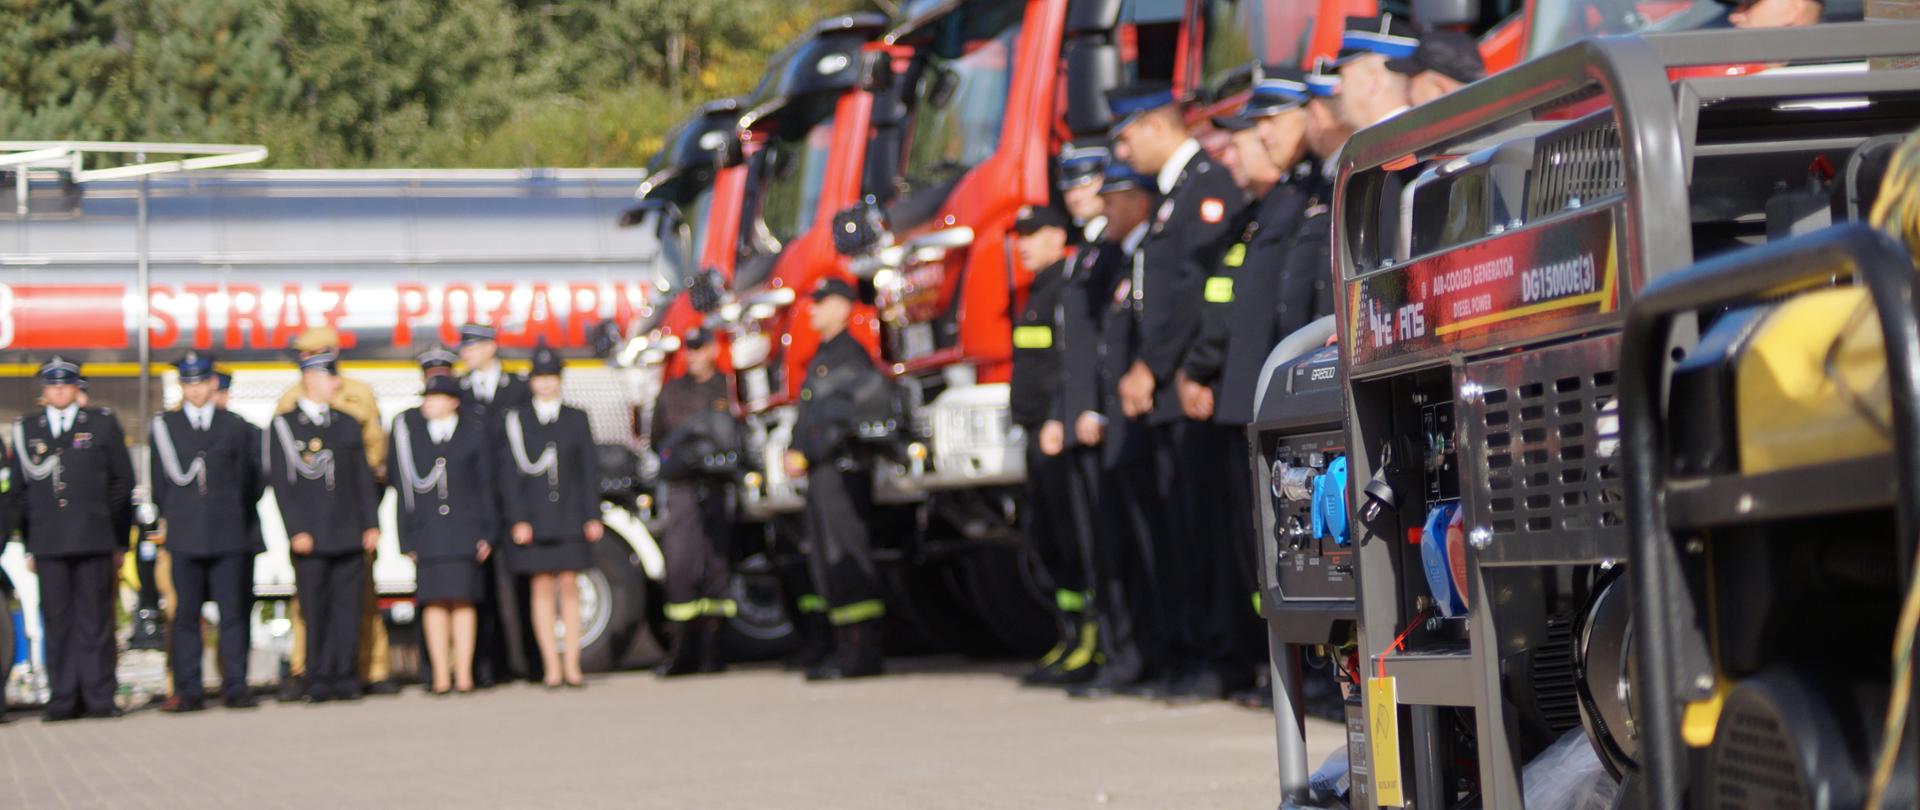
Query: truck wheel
pixel 1005 592
pixel 613 601
pixel 760 629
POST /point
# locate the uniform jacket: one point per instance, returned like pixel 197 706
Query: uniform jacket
pixel 510 391
pixel 74 494
pixel 207 484
pixel 693 420
pixel 446 500
pixel 355 399
pixel 1191 229
pixel 825 427
pixel 1036 348
pixel 320 479
pixel 1256 297
pixel 1126 439
pixel 562 490
pixel 1084 300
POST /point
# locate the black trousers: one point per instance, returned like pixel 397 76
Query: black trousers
pixel 839 503
pixel 227 580
pixel 76 608
pixel 699 524
pixel 1250 628
pixel 331 590
pixel 1055 533
pixel 1200 575
pixel 1128 557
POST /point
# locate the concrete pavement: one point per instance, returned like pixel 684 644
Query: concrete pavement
pixel 937 733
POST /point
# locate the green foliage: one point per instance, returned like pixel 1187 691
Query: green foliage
pixel 399 83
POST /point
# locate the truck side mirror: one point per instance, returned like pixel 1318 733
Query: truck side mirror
pixel 859 228
pixel 1093 68
pixel 1443 13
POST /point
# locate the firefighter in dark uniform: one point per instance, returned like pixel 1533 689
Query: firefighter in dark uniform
pixel 549 484
pixel 698 440
pixel 1129 516
pixel 1041 243
pixel 441 463
pixel 75 504
pixel 1191 231
pixel 1252 300
pixel 490 391
pixel 328 501
pixel 207 486
pixel 839 487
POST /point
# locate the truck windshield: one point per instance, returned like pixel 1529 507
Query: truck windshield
pixel 1238 32
pixel 959 101
pixel 784 196
pixel 1557 24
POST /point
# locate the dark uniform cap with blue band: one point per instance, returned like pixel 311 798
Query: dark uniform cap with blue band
pixel 1386 35
pixel 1132 101
pixel 321 361
pixel 1276 89
pixel 1452 54
pixel 831 286
pixel 59 371
pixel 1121 177
pixel 475 333
pixel 1034 217
pixel 442 384
pixel 1083 161
pixel 546 362
pixel 1323 80
pixel 697 337
pixel 193 367
pixel 437 356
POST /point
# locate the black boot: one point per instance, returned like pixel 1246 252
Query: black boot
pixel 712 658
pixel 816 642
pixel 861 654
pixel 683 655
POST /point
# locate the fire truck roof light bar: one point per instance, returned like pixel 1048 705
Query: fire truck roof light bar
pixel 73 155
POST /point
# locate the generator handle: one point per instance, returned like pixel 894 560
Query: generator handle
pixel 1855 250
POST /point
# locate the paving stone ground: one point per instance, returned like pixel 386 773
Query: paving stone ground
pixel 939 733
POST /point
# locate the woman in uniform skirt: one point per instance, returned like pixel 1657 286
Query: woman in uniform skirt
pixel 443 469
pixel 550 489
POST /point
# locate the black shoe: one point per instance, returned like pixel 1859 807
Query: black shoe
pixel 1107 683
pixel 291 690
pixel 240 700
pixel 712 658
pixel 683 653
pixel 103 714
pixel 1195 686
pixel 350 693
pixel 1254 697
pixel 860 654
pixel 60 715
pixel 316 694
pixel 1152 688
pixel 180 705
pixel 816 644
pixel 383 688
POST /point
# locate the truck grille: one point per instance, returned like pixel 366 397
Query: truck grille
pixel 1544 477
pixel 1574 168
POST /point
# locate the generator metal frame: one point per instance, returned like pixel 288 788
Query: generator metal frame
pixel 1658 125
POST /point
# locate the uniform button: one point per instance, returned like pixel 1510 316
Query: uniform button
pixel 553 497
pixel 444 509
pixel 63 503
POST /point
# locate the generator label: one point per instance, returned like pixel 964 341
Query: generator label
pixel 1383 713
pixel 1528 280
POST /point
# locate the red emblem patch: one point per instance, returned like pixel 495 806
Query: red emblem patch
pixel 1212 210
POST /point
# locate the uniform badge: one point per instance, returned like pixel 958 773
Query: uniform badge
pixel 313 444
pixel 39 447
pixel 1212 210
pixel 82 441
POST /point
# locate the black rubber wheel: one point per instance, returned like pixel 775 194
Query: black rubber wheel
pixel 760 628
pixel 613 601
pixel 1004 591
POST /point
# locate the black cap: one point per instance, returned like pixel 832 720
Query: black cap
pixel 475 333
pixel 1034 217
pixel 1083 161
pixel 834 285
pixel 442 384
pixel 59 371
pixel 1232 122
pixel 437 356
pixel 225 378
pixel 1387 35
pixel 546 361
pixel 1452 54
pixel 321 361
pixel 1131 101
pixel 194 367
pixel 1276 89
pixel 697 337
